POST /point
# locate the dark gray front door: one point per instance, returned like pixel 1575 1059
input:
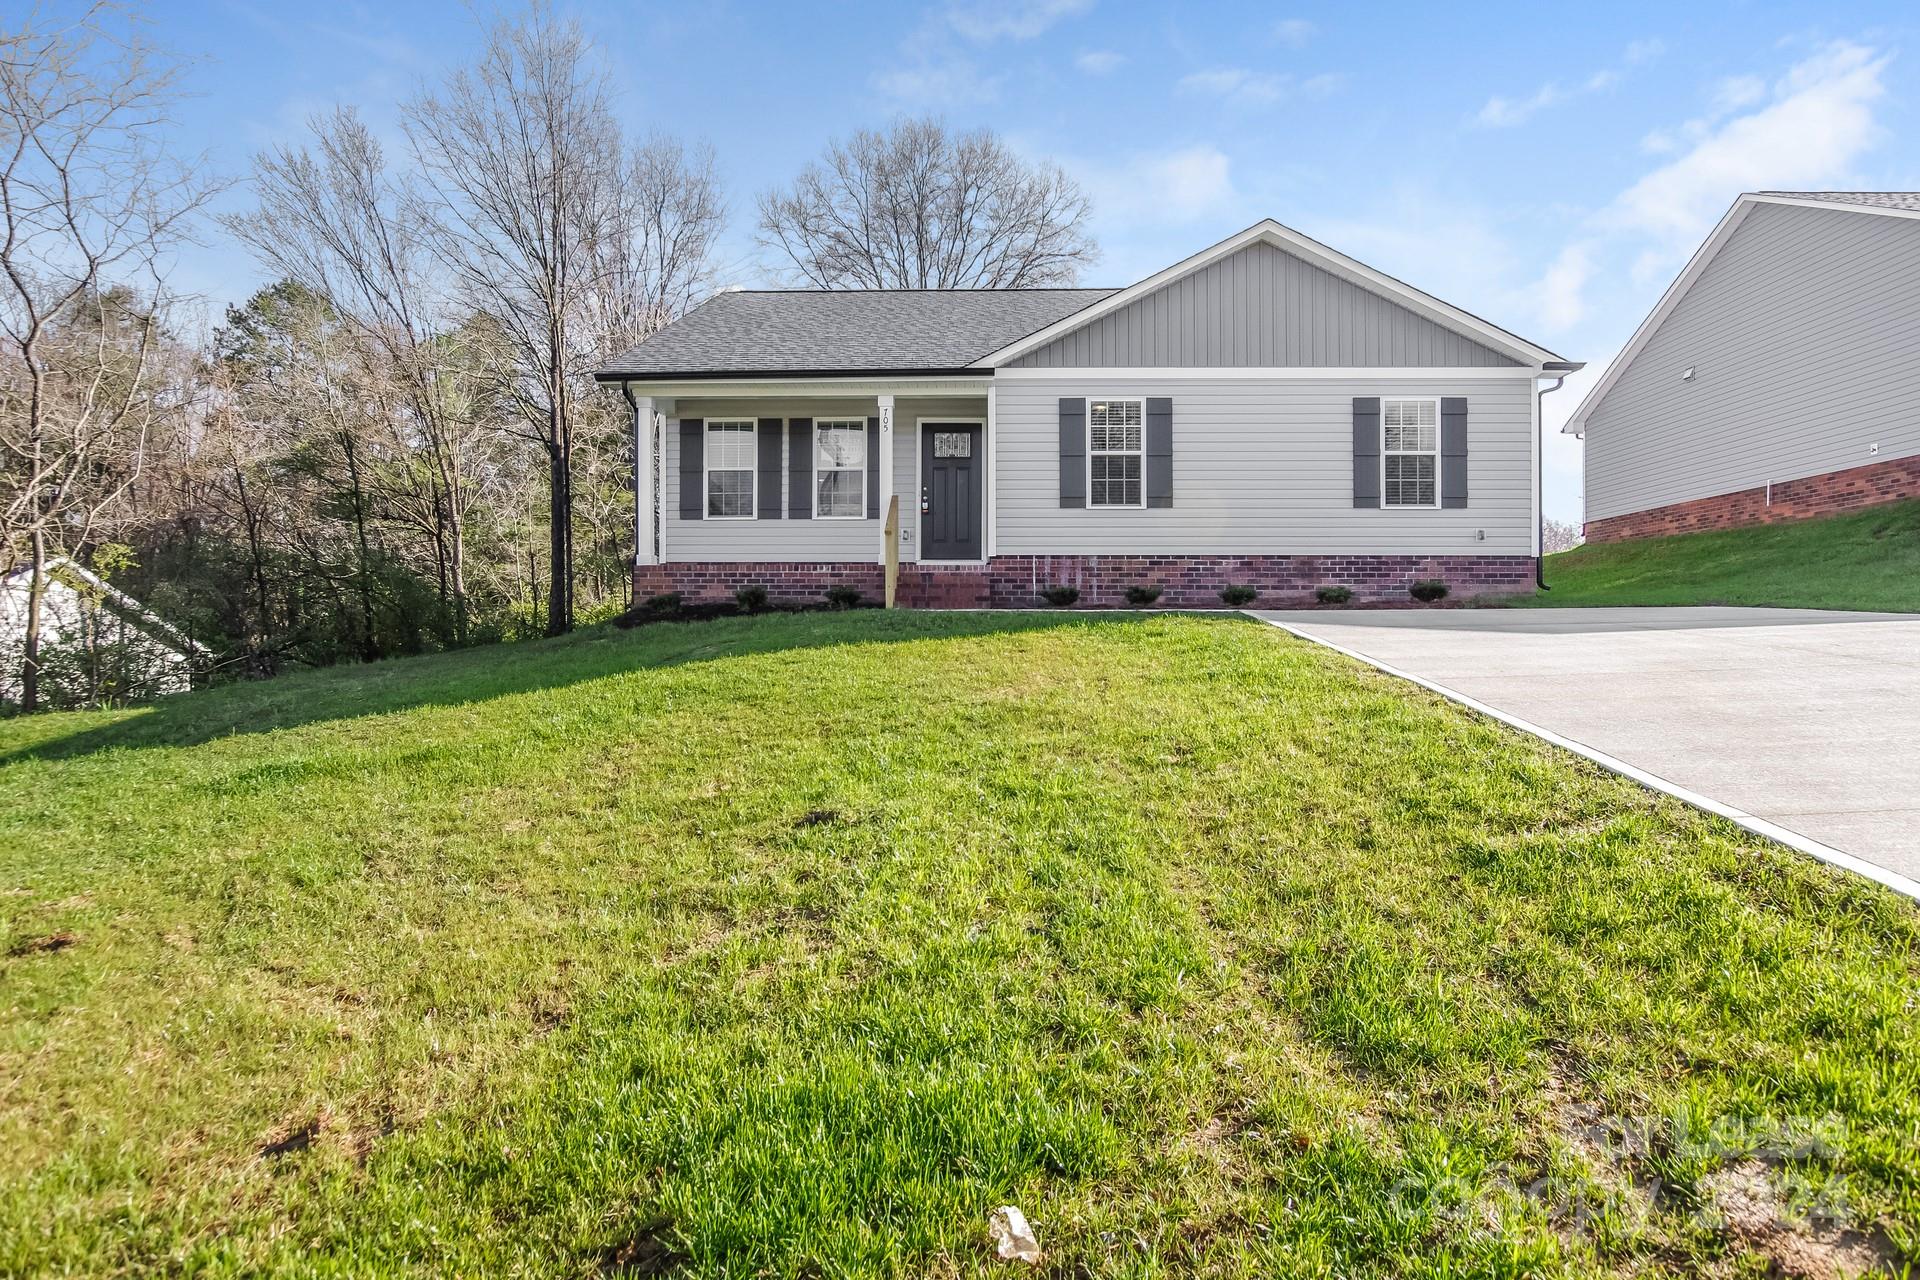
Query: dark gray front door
pixel 952 491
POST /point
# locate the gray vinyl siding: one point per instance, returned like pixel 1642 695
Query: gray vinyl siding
pixel 810 540
pixel 1263 466
pixel 1804 334
pixel 1263 307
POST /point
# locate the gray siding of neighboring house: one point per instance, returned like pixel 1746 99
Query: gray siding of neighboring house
pixel 1263 307
pixel 802 540
pixel 1264 466
pixel 1804 334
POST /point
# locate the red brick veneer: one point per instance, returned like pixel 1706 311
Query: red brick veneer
pixel 1185 581
pixel 1822 495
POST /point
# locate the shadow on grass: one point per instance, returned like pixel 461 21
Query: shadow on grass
pixel 470 676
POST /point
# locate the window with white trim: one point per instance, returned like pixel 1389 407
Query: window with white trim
pixel 732 451
pixel 840 469
pixel 1410 453
pixel 1116 453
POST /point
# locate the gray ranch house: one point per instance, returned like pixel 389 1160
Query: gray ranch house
pixel 1269 412
pixel 1778 377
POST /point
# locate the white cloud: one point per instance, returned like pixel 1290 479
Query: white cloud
pixel 1190 182
pixel 954 82
pixel 1100 62
pixel 1236 84
pixel 1500 112
pixel 1806 129
pixel 1241 87
pixel 983 21
pixel 1819 121
pixel 1562 302
pixel 1293 32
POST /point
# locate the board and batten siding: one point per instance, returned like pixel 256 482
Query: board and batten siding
pixel 1804 336
pixel 811 540
pixel 1263 307
pixel 1264 467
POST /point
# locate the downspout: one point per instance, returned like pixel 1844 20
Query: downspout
pixel 1560 368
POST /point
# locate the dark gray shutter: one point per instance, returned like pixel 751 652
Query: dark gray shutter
pixel 1453 451
pixel 1159 452
pixel 693 499
pixel 1073 453
pixel 1366 451
pixel 800 468
pixel 767 487
pixel 873 468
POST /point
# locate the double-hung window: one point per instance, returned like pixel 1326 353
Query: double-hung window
pixel 840 469
pixel 1115 453
pixel 1410 453
pixel 730 458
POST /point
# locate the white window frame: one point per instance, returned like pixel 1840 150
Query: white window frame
pixel 707 469
pixel 1410 453
pixel 1117 453
pixel 818 470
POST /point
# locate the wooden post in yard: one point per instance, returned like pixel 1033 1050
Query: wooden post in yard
pixel 891 535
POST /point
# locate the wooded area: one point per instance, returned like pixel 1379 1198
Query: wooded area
pixel 397 446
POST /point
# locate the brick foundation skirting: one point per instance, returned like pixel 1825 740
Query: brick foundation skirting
pixel 1822 495
pixel 1015 582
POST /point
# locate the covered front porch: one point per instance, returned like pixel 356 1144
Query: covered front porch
pixel 741 474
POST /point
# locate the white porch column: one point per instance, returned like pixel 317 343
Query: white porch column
pixel 992 444
pixel 886 469
pixel 645 549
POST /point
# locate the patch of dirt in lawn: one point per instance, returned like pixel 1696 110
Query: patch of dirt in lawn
pixel 644 1253
pixel 1749 1206
pixel 58 941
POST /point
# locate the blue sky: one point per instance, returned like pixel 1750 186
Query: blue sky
pixel 1549 168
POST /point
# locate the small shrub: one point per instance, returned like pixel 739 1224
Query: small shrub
pixel 1239 595
pixel 842 596
pixel 751 598
pixel 1427 590
pixel 1061 596
pixel 1143 595
pixel 665 602
pixel 1333 595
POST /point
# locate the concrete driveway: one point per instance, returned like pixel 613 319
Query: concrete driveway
pixel 1805 719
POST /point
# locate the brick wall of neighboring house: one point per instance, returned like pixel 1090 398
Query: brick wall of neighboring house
pixel 1015 582
pixel 1822 495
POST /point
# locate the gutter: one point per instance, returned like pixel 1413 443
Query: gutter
pixel 1561 368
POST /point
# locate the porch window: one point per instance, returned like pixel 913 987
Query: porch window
pixel 840 469
pixel 730 460
pixel 1115 455
pixel 1410 453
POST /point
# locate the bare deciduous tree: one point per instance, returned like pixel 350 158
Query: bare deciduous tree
pixel 919 208
pixel 1558 535
pixel 88 203
pixel 524 161
pixel 345 227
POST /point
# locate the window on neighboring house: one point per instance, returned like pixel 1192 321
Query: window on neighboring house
pixel 840 469
pixel 731 453
pixel 1410 453
pixel 1115 454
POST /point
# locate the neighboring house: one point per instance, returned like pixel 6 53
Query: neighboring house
pixel 1268 412
pixel 1779 377
pixel 94 638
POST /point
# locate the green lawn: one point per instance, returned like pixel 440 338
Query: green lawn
pixel 1867 560
pixel 793 946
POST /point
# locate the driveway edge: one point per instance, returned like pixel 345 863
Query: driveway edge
pixel 1739 817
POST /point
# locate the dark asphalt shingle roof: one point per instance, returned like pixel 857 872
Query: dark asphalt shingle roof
pixel 1907 200
pixel 846 331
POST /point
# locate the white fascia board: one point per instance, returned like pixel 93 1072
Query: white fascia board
pixel 1729 223
pixel 802 386
pixel 1281 237
pixel 1238 373
pixel 1833 206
